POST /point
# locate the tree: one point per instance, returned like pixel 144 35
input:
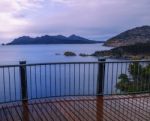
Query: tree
pixel 139 81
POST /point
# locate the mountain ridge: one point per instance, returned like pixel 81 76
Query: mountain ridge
pixel 47 39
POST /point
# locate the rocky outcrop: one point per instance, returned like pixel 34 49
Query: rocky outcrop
pixel 69 53
pixel 136 51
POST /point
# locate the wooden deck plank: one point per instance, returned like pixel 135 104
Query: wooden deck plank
pixel 110 112
pixel 100 111
pixel 18 112
pixel 46 111
pixel 81 110
pixel 74 115
pixel 92 111
pixel 57 108
pixel 2 115
pixel 65 112
pixel 125 112
pixel 28 113
pixel 14 115
pixel 87 110
pixel 109 108
pixel 54 110
pixel 51 112
pixel 132 108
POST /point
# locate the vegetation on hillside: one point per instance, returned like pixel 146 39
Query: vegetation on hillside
pixel 139 51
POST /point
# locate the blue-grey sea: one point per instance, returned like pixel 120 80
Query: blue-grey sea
pixel 54 80
pixel 47 53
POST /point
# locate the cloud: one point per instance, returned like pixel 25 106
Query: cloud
pixel 12 16
pixel 93 19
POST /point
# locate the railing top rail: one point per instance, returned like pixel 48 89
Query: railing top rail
pixel 79 62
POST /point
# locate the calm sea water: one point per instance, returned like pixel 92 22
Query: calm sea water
pixel 54 80
pixel 47 53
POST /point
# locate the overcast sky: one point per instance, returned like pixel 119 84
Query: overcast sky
pixel 94 19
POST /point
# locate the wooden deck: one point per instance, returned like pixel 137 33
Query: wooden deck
pixel 108 108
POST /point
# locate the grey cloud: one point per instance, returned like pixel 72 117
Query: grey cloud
pixel 94 19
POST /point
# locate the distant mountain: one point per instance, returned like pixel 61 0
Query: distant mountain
pixel 59 39
pixel 130 37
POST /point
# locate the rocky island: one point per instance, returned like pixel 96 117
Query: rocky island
pixel 69 53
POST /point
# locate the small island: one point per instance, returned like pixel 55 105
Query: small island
pixel 69 53
pixel 84 55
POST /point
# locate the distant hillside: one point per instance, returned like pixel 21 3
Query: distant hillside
pixel 73 39
pixel 139 50
pixel 133 36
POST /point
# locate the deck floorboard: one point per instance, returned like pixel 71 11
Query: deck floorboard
pixel 86 108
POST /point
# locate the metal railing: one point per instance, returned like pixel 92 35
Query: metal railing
pixel 45 80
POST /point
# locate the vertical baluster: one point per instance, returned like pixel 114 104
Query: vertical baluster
pixel 40 81
pixel 10 96
pixel 45 81
pixel 79 81
pixel 74 79
pixel 50 80
pixel 15 84
pixel 4 84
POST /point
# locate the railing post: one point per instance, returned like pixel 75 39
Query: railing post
pixel 23 76
pixel 101 76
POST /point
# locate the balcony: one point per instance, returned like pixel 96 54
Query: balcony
pixel 75 91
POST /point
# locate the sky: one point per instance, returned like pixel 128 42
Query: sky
pixel 93 19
